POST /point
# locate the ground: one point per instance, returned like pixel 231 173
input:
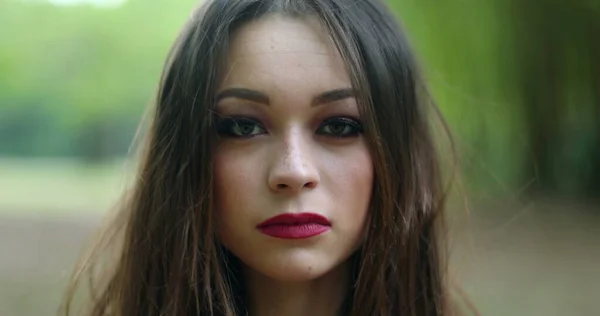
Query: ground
pixel 36 258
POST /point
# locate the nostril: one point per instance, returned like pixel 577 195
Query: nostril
pixel 310 185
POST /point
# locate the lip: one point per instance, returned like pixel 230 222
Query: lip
pixel 295 225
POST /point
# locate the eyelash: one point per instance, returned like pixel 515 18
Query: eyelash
pixel 231 127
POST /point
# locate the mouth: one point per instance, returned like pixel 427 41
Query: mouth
pixel 295 225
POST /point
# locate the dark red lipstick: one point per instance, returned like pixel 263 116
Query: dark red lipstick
pixel 295 225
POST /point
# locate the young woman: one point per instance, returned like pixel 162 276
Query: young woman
pixel 289 170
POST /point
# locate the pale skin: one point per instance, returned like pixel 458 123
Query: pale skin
pixel 300 150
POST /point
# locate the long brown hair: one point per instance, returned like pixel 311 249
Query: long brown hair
pixel 168 260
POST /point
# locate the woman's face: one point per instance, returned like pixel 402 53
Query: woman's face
pixel 290 144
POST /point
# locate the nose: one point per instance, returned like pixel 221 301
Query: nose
pixel 293 169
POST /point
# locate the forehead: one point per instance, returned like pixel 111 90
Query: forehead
pixel 284 52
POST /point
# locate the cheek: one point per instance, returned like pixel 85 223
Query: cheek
pixel 236 177
pixel 352 172
pixel 351 183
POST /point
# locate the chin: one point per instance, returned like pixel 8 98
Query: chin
pixel 293 266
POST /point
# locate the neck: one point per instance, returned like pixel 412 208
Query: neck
pixel 320 297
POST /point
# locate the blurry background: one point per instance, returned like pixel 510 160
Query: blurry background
pixel 518 81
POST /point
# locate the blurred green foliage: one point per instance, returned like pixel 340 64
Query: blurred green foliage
pixel 519 83
pixel 74 81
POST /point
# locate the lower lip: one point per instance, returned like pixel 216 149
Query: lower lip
pixel 297 231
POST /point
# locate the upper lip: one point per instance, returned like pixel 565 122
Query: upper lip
pixel 296 219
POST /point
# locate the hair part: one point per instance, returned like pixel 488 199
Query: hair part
pixel 169 260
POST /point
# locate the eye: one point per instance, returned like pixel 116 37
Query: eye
pixel 340 127
pixel 241 127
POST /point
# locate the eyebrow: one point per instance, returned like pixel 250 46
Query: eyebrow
pixel 243 93
pixel 259 97
pixel 333 96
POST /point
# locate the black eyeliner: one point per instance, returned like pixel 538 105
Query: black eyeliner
pixel 225 124
pixel 354 123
